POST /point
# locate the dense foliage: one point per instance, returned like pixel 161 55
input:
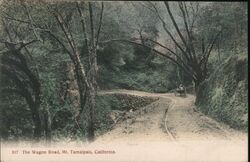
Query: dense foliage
pixel 225 94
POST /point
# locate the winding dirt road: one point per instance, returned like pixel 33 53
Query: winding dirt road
pixel 169 118
pixel 167 130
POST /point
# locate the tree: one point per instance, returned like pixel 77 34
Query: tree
pixel 229 16
pixel 84 78
pixel 25 81
pixel 85 73
pixel 193 51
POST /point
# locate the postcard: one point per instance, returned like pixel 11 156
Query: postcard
pixel 123 81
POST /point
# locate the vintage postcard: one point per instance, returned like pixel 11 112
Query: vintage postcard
pixel 123 81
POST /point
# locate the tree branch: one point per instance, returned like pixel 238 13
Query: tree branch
pixel 59 41
pixel 31 22
pixel 169 33
pixel 212 44
pixel 100 24
pixel 187 13
pixel 171 51
pixel 66 34
pixel 23 45
pixel 75 56
pixel 18 20
pixel 208 50
pixel 175 24
pixel 91 24
pixel 83 26
pixel 156 51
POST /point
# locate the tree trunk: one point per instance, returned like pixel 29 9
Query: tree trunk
pixel 92 92
pixel 198 81
pixel 36 118
pixel 91 124
pixel 37 122
pixel 90 98
pixel 37 103
pixel 196 86
pixel 80 84
pixel 84 78
pixel 47 125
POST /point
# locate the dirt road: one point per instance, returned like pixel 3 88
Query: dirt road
pixel 180 123
pixel 152 134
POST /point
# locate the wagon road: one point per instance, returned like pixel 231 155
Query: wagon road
pixel 171 129
pixel 171 118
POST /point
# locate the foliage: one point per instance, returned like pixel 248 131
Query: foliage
pixel 103 123
pixel 146 79
pixel 15 119
pixel 224 95
pixel 230 18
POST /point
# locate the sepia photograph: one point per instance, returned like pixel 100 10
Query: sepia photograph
pixel 123 81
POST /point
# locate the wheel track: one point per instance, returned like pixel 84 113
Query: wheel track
pixel 167 130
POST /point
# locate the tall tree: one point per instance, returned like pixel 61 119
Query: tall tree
pixel 91 24
pixel 86 78
pixel 194 53
pixel 26 83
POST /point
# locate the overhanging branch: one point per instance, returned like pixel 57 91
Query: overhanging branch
pixel 169 33
pixel 154 50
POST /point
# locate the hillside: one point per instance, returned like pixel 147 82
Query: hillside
pixel 224 95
